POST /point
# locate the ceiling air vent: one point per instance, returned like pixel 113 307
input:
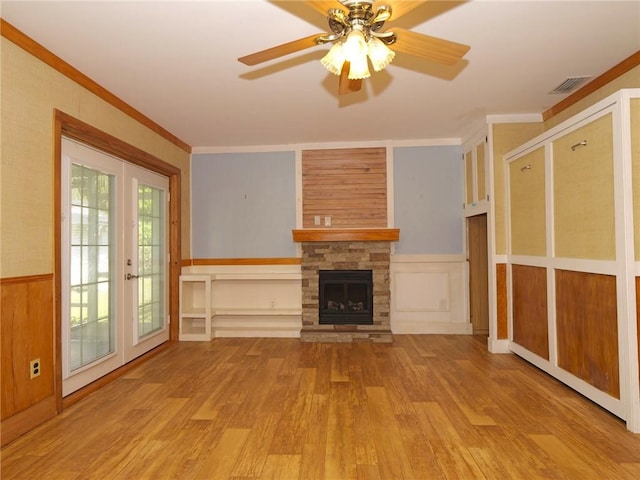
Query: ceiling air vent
pixel 569 85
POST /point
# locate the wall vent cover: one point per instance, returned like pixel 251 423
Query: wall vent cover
pixel 569 85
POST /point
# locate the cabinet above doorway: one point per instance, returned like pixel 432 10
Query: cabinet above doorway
pixel 476 191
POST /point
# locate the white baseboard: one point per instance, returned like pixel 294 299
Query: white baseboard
pixel 418 328
pixel 251 327
pixel 498 345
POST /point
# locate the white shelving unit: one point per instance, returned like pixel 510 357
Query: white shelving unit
pixel 239 304
pixel 196 312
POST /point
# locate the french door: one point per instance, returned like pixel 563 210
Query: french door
pixel 114 263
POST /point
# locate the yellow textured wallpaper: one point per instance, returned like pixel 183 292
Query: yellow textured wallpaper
pixel 482 180
pixel 468 175
pixel 506 137
pixel 31 90
pixel 583 189
pixel 527 204
pixel 635 162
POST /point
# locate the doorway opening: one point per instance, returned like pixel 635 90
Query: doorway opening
pixel 478 258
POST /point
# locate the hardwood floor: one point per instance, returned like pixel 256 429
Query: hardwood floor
pixel 424 407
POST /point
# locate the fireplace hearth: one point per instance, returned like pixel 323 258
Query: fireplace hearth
pixel 346 297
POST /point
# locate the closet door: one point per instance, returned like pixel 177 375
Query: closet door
pixel 584 233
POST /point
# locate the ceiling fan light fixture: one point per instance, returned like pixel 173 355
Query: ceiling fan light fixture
pixel 355 52
pixel 334 59
pixel 355 46
pixel 357 35
pixel 379 54
pixel 359 68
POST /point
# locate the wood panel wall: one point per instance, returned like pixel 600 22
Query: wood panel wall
pixel 27 330
pixel 530 320
pixel 27 333
pixel 638 314
pixel 587 328
pixel 349 185
pixel 501 300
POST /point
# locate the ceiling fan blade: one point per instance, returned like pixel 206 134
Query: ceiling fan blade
pixel 280 50
pixel 400 7
pixel 346 85
pixel 355 85
pixel 324 6
pixel 428 47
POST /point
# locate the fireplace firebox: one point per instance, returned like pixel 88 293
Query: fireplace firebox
pixel 346 297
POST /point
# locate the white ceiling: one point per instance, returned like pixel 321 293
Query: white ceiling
pixel 175 61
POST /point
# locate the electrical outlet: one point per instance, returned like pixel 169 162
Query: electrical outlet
pixel 34 368
pixel 272 303
pixel 327 221
pixel 316 219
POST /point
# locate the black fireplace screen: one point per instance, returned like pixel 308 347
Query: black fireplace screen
pixel 346 297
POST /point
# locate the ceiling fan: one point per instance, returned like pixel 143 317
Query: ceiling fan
pixel 358 37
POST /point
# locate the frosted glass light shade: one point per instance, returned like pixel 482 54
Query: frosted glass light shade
pixel 355 46
pixel 334 59
pixel 355 52
pixel 379 54
pixel 359 68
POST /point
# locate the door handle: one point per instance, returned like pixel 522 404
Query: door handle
pixel 129 276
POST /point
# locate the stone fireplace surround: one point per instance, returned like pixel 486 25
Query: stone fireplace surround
pixel 337 254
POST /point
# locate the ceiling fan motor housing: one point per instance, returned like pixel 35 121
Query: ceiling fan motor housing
pixel 361 16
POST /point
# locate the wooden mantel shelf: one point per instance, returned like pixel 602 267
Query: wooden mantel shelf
pixel 347 235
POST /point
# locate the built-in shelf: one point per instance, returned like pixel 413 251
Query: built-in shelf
pixel 239 304
pixel 347 235
pixel 256 276
pixel 195 307
pixel 227 312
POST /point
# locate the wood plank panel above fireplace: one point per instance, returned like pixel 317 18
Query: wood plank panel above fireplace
pixel 347 186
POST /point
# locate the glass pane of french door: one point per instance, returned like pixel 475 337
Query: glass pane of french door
pixel 91 267
pixel 151 260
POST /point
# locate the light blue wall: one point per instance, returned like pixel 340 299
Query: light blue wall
pixel 244 205
pixel 428 196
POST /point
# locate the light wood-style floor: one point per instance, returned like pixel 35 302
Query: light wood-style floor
pixel 425 407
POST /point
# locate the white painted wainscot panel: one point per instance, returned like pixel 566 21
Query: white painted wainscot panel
pixel 428 294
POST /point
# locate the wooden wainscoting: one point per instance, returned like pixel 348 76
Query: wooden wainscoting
pixel 530 322
pixel 349 185
pixel 587 328
pixel 501 300
pixel 27 333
